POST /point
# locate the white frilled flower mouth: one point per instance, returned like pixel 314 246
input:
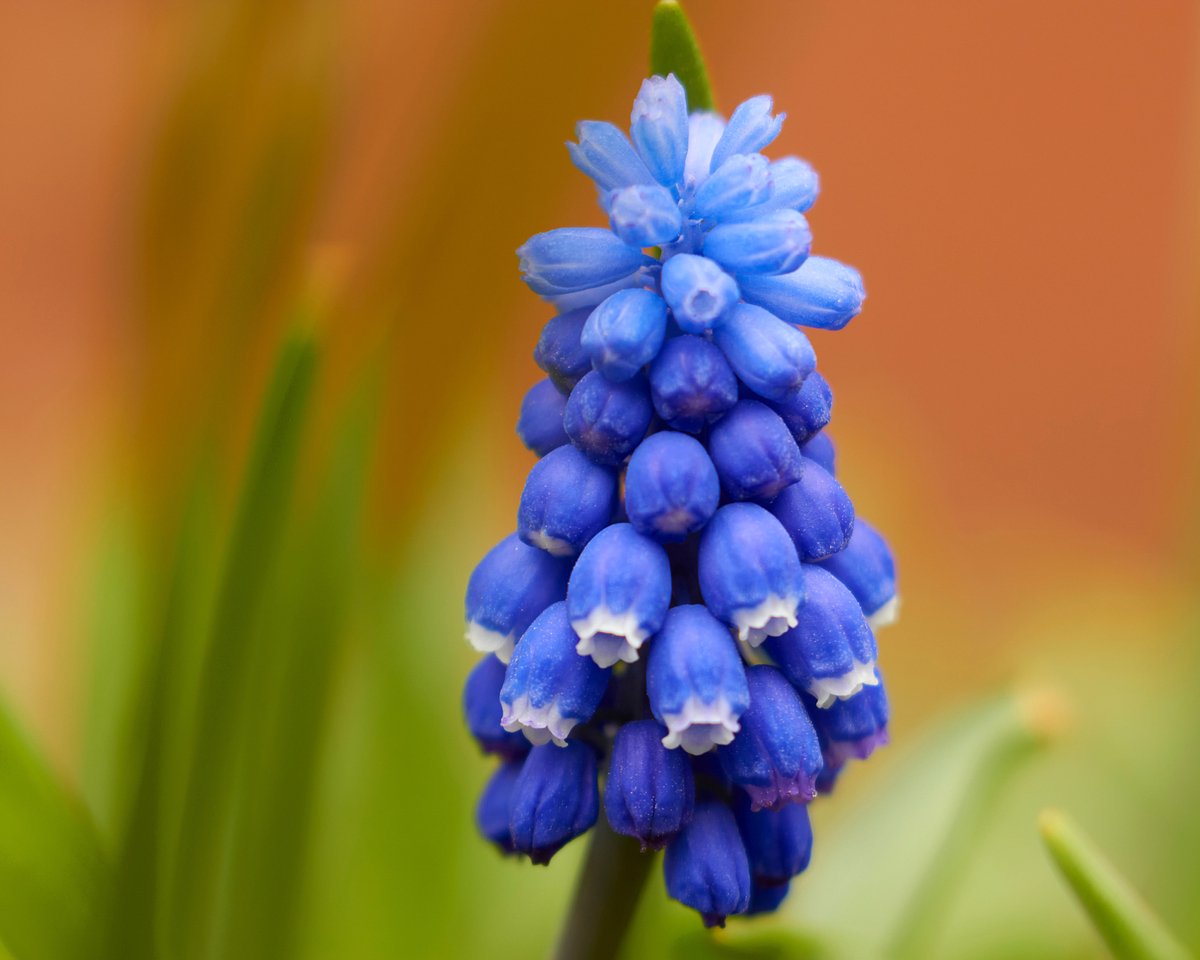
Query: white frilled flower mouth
pixel 539 724
pixel 828 689
pixel 678 521
pixel 555 546
pixel 607 637
pixel 773 617
pixel 490 641
pixel 699 726
pixel 886 615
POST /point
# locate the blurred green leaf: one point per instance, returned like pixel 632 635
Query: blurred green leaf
pixel 53 874
pixel 673 49
pixel 1129 926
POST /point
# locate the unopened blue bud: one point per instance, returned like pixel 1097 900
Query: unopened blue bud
pixel 607 420
pixel 507 591
pixel 698 291
pixel 659 127
pixel 806 411
pixel 645 276
pixel 691 384
pixel 619 593
pixel 555 799
pixel 769 357
pixel 540 425
pixel 830 652
pixel 481 707
pixel 821 293
pixel 695 681
pixel 494 810
pixel 794 186
pixel 766 898
pixel 816 513
pixel 742 181
pixel 576 258
pixel 776 242
pixel 644 215
pixel 749 574
pixel 548 687
pixel 819 449
pixel 867 568
pixel 755 455
pixel 605 154
pixel 650 791
pixel 704 130
pixel 852 729
pixel 751 127
pixel 706 867
pixel 778 842
pixel 625 333
pixel 566 501
pixel 560 352
pixel 671 487
pixel 776 757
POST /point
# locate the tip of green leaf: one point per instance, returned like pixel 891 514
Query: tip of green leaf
pixel 673 49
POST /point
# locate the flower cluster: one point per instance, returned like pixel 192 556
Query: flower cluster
pixel 686 609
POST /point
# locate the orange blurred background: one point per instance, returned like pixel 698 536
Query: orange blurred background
pixel 1016 406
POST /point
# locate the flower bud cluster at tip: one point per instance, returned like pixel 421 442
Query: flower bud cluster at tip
pixel 681 630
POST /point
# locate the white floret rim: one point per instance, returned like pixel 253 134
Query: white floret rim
pixel 773 617
pixel 827 690
pixel 886 615
pixel 607 637
pixel 555 546
pixel 700 726
pixel 539 724
pixel 490 641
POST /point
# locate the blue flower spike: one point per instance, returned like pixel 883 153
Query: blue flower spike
pixel 618 595
pixel 548 687
pixel 555 799
pixel 695 681
pixel 650 792
pixel 683 512
pixel 749 573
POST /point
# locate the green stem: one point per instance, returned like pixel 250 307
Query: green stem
pixel 606 896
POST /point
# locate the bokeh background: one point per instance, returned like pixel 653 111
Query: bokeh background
pixel 184 184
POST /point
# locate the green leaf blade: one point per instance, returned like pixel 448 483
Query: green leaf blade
pixel 673 49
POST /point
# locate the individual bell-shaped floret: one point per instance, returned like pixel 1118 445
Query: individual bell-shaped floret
pixel 566 501
pixel 607 420
pixel 769 357
pixel 650 792
pixel 481 707
pixel 644 215
pixel 766 898
pixel 754 452
pixel 511 585
pixel 671 487
pixel 625 333
pixel 830 652
pixel 794 186
pixel 659 127
pixel 776 757
pixel 696 681
pixel 605 154
pixel 493 812
pixel 705 867
pixel 691 383
pixel 577 258
pixel 777 242
pixel 778 842
pixel 589 297
pixel 540 425
pixel 819 448
pixel 852 729
pixel 704 130
pixel 742 181
pixel 698 291
pixel 560 351
pixel 806 411
pixel 751 127
pixel 618 595
pixel 821 293
pixel 555 799
pixel 749 573
pixel 816 513
pixel 548 687
pixel 867 568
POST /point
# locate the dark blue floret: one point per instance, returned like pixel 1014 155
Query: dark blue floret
pixel 778 842
pixel 691 384
pixel 481 707
pixel 494 810
pixel 671 487
pixel 560 351
pixel 555 799
pixel 705 867
pixel 806 411
pixel 754 452
pixel 766 899
pixel 625 333
pixel 607 420
pixel 566 501
pixel 816 513
pixel 540 425
pixel 649 793
pixel 819 448
pixel 768 356
pixel 867 568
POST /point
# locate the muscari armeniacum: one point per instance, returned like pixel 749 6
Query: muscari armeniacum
pixel 687 608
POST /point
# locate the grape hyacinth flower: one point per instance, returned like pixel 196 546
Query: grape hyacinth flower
pixel 683 525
